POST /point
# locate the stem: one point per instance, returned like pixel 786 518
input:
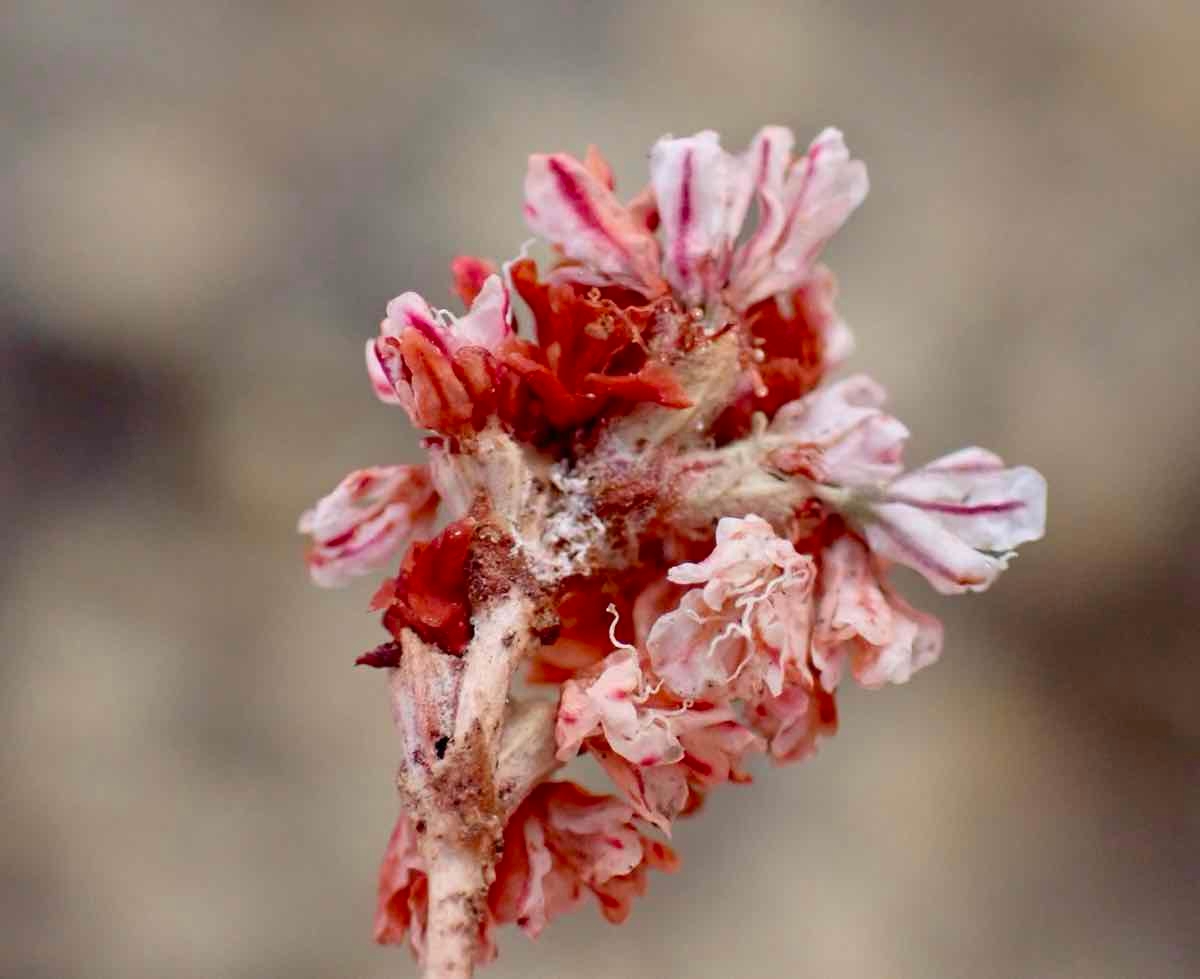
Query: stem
pixel 457 899
pixel 450 713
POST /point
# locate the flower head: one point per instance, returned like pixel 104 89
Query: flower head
pixel 660 507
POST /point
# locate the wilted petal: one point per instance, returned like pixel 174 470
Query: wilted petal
pixel 863 622
pixel 715 743
pixel 567 205
pixel 403 903
pixel 915 642
pixel 430 594
pixel 793 722
pixel 658 794
pixel 748 621
pixel 432 392
pixel 562 841
pixel 703 193
pixel 366 521
pixel 487 323
pixel 838 435
pixel 747 554
pixel 436 365
pixel 817 296
pixel 692 649
pixel 385 368
pixel 612 701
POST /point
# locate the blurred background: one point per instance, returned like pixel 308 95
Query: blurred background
pixel 204 209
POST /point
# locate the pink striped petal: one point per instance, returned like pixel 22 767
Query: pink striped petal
pixel 385 369
pixel 919 540
pixel 956 519
pixel 485 325
pixel 410 311
pixel 366 521
pixel 703 194
pixel 769 157
pixel 818 194
pixel 567 205
pixel 970 493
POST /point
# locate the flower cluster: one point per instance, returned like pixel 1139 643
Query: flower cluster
pixel 656 504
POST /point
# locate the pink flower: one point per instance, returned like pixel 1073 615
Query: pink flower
pixel 702 195
pixel 652 748
pixel 748 622
pixel 793 722
pixel 862 622
pixel 612 702
pixel 574 209
pixel 562 842
pixel 954 520
pixel 839 435
pixel 435 365
pixel 802 204
pixel 661 446
pixel 366 521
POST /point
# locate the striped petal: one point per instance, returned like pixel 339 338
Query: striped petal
pixel 971 493
pixel 703 193
pixel 956 519
pixel 570 207
pixel 818 194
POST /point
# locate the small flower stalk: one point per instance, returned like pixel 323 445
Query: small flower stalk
pixel 647 505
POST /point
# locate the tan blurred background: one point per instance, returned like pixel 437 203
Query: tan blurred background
pixel 204 208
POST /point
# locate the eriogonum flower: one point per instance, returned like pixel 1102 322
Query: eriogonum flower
pixel 745 623
pixel 659 507
pixel 564 841
pixel 366 521
pixel 659 752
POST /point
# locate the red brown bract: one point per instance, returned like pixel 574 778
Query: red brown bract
pixel 429 595
pixel 592 349
pixel 660 507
